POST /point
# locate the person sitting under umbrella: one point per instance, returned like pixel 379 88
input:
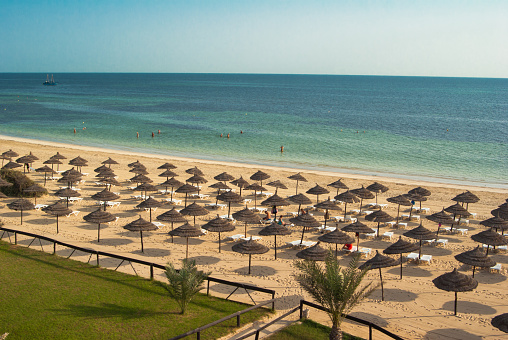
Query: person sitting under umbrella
pixel 347 246
pixel 281 222
pixel 267 217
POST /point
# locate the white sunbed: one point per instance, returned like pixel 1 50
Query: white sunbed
pixel 166 192
pixel 426 258
pixel 258 209
pixel 462 231
pixel 40 206
pixel 298 243
pixel 462 221
pixel 73 213
pixel 324 229
pixel 387 234
pixel 230 218
pixel 255 238
pixel 374 234
pixel 235 237
pixel 216 205
pixel 412 256
pixel 442 241
pixel 200 196
pixel 496 268
pixel 364 251
pixel 416 217
pixel 401 225
pixel 158 224
pixel 377 205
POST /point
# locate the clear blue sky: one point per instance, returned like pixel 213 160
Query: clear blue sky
pixel 407 37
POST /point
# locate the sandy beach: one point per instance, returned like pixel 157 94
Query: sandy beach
pixel 413 308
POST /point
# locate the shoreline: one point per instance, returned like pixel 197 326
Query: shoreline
pixel 389 178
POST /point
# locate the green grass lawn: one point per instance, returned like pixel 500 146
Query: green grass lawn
pixel 306 330
pixel 44 296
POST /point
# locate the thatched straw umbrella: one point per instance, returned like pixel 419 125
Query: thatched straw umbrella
pixel 58 156
pixel 197 180
pixel 305 221
pixel 172 216
pixel 99 216
pixel 110 181
pixel 500 322
pixel 277 185
pixel 66 193
pixel 109 162
pixel 134 164
pixel 400 247
pixel 10 154
pixel 259 176
pixel 399 200
pixel 219 225
pixel 496 223
pixel 364 194
pixel 338 237
pixel 4 183
pixel 250 247
pixel 490 238
pixel 466 197
pixel 317 190
pixel 78 162
pixel 358 228
pixel 195 171
pixel 379 216
pixel 327 205
pixel 101 168
pixel 338 184
pixel 141 225
pixel 168 173
pixel 167 166
pixel 57 209
pixel 140 178
pixel 229 197
pixel 347 197
pixel 219 186
pixel 457 210
pixel 377 188
pixel 70 177
pixel 420 233
pixel 476 258
pixel 420 191
pixel 25 160
pixel 298 178
pixel 53 161
pixel 105 196
pixel 455 282
pixel 224 177
pixel 146 187
pixel 149 203
pixel 275 229
pixel 246 215
pixel 186 189
pixel 173 183
pixel 414 198
pixel 194 210
pixel 106 173
pixel 501 211
pixel 35 189
pixel 241 183
pixel 314 253
pixel 276 201
pixel 377 262
pixel 256 187
pixel 186 230
pixel 21 205
pixel 442 218
pixel 300 199
pixel 139 170
pixel 12 165
pixel 46 170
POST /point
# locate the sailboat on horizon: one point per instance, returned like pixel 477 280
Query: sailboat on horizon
pixel 49 82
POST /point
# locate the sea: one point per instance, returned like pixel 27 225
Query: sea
pixel 445 130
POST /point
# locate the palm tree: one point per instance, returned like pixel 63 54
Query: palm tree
pixel 336 289
pixel 184 283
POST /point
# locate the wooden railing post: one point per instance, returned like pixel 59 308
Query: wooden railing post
pixel 97 259
pixel 151 272
pixel 238 320
pixel 207 287
pixel 301 309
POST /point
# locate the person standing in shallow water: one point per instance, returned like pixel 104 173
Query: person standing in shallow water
pixel 281 149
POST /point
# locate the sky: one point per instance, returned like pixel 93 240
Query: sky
pixel 407 38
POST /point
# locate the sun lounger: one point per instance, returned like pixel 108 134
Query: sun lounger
pixel 373 235
pixel 40 206
pixel 352 250
pixel 200 196
pixel 377 205
pixel 258 209
pixel 387 234
pixel 412 256
pixel 216 205
pixel 131 187
pixel 324 229
pixel 255 238
pixel 462 221
pixel 166 192
pixel 413 217
pixel 445 229
pixel 139 197
pixel 442 241
pixel 401 225
pixel 116 220
pixel 364 251
pixel 347 219
pixel 235 237
pixel 426 258
pixel 172 201
pixel 422 210
pixel 496 268
pixel 73 213
pixel 72 199
pixel 158 224
pixel 230 218
pixel 246 200
pixel 502 248
pixel 268 221
pixel 300 244
pixel 265 194
pixel 462 231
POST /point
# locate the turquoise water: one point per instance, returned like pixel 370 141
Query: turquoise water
pixel 440 129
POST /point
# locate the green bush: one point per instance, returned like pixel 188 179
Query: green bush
pixel 20 182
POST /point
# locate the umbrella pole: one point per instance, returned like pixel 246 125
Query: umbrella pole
pixel 358 243
pixel 99 233
pixel 377 228
pixel 57 224
pixel 249 262
pixel 172 240
pixel 229 209
pixel 219 241
pixel 451 228
pixel 303 232
pixel 473 270
pixel 420 251
pixel 255 200
pixel 336 251
pixel 245 231
pixel 296 192
pixel 142 249
pixel 397 220
pixel 361 203
pixel 455 312
pixel 376 199
pixel 275 247
pixel 21 216
pixel 187 249
pixel 345 211
pixel 150 215
pixel 185 200
pixel 401 266
pixel 382 289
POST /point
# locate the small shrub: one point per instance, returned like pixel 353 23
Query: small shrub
pixel 20 182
